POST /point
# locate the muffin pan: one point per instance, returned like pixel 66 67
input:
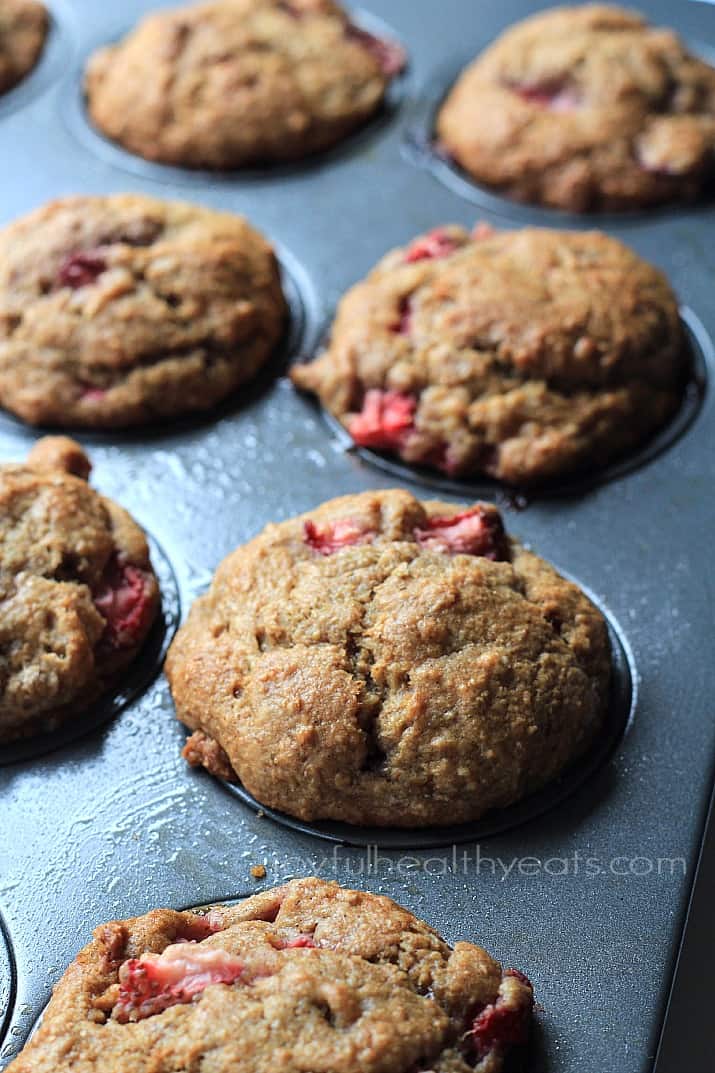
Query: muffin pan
pixel 589 897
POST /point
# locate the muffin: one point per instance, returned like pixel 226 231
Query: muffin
pixel 523 355
pixel 237 82
pixel 121 310
pixel 23 30
pixel 78 594
pixel 585 108
pixel 308 976
pixel 386 661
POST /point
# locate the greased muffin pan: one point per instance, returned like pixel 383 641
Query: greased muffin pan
pixel 585 893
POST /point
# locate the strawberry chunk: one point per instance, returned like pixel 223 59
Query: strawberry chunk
pixel 124 599
pixel 152 983
pixel 332 537
pixel 478 531
pixel 436 243
pixel 92 394
pixel 501 1025
pixel 482 230
pixel 553 96
pixel 390 56
pixel 301 942
pixel 386 419
pixel 81 268
pixel 403 322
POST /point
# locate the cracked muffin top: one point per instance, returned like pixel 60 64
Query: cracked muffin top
pixel 386 661
pixel 524 355
pixel 23 30
pixel 78 595
pixel 585 108
pixel 122 310
pixel 238 82
pixel 308 976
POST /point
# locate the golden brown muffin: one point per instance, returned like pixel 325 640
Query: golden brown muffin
pixel 585 108
pixel 386 661
pixel 23 30
pixel 121 310
pixel 78 594
pixel 308 976
pixel 237 82
pixel 524 355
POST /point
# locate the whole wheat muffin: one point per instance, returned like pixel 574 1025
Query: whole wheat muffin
pixel 524 355
pixel 121 310
pixel 23 30
pixel 237 82
pixel 78 594
pixel 385 661
pixel 308 976
pixel 585 108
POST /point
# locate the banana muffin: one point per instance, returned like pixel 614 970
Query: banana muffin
pixel 523 355
pixel 237 82
pixel 585 108
pixel 23 30
pixel 308 976
pixel 121 310
pixel 382 660
pixel 78 594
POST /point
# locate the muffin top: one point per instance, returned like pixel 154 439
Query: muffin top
pixel 523 355
pixel 125 309
pixel 23 30
pixel 221 85
pixel 585 108
pixel 77 591
pixel 386 661
pixel 309 976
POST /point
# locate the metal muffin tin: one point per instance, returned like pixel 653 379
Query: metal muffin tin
pixel 588 897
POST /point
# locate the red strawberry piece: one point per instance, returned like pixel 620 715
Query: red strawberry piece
pixel 301 942
pixel 552 96
pixel 330 538
pixel 500 1025
pixel 154 982
pixel 403 323
pixel 385 421
pixel 436 243
pixel 391 57
pixel 200 927
pixel 81 268
pixel 477 531
pixel 124 600
pixel 92 394
pixel 482 230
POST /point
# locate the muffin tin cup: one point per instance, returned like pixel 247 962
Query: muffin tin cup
pixel 301 333
pixel 131 682
pixel 115 824
pixel 7 981
pixel 76 115
pixel 621 709
pixel 57 55
pixel 420 147
pixel 700 366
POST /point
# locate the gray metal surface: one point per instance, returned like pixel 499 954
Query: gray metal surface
pixel 114 823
